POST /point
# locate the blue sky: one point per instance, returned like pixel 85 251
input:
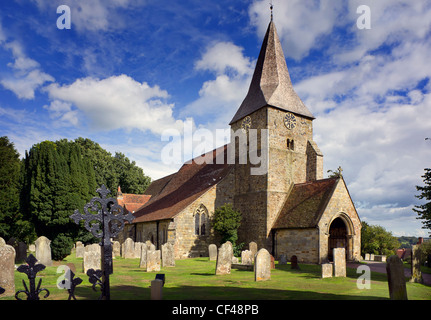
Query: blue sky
pixel 128 70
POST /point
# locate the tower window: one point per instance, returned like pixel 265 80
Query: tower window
pixel 290 144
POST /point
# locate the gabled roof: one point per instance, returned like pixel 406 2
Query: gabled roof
pixel 271 84
pixel 305 204
pixel 131 202
pixel 174 193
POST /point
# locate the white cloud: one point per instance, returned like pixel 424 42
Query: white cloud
pixel 62 112
pixel 118 102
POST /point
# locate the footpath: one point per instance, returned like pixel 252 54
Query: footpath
pixel 381 267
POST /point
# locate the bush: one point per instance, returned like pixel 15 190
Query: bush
pixel 61 246
pixel 226 221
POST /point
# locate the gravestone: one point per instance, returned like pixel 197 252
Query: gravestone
pixel 137 248
pixel 7 269
pixel 43 251
pixel 168 255
pixel 327 270
pixel 156 289
pixel 416 265
pixel 367 257
pixel 143 261
pixel 92 260
pixel 212 250
pixel 150 245
pixel 224 259
pixel 294 263
pixel 153 260
pixel 283 259
pixel 32 248
pixel 372 257
pixel 116 249
pixel 235 260
pixel 252 246
pixel 247 257
pixel 95 247
pixel 129 249
pixel 262 265
pixel 396 278
pixel 2 242
pixel 20 251
pixel 80 249
pixel 339 262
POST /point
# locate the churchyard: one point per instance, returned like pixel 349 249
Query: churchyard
pixel 196 279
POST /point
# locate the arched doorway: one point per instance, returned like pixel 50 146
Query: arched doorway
pixel 337 237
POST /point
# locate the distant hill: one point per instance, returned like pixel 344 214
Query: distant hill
pixel 407 242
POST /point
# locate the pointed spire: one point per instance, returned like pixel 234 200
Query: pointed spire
pixel 271 84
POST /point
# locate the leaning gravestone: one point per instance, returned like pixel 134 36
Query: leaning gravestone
pixel 153 260
pixel 339 262
pixel 416 265
pixel 168 255
pixel 327 270
pixel 43 251
pixel 247 257
pixel 79 249
pixel 7 269
pixel 224 259
pixel 262 265
pixel 212 250
pixel 396 278
pixel 92 260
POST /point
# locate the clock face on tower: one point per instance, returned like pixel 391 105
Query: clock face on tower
pixel 246 124
pixel 289 121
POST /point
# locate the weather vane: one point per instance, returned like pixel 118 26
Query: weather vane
pixel 271 6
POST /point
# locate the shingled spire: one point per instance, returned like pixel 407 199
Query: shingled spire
pixel 271 84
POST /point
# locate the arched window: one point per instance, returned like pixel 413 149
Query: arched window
pixel 201 217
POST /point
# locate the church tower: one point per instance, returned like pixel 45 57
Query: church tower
pixel 292 156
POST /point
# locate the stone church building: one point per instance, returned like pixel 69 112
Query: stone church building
pixel 289 209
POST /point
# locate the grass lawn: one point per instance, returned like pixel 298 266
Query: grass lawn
pixel 195 279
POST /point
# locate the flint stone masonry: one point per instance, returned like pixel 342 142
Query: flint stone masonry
pixel 262 265
pixel 224 259
pixel 396 278
pixel 339 262
pixel 212 250
pixel 92 260
pixel 327 270
pixel 43 251
pixel 168 255
pixel 7 269
pixel 153 260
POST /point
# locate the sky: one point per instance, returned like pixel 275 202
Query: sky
pixel 130 74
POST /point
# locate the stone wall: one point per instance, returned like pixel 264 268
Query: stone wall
pixel 303 243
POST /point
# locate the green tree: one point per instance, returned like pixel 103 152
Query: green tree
pixel 376 240
pixel 226 221
pixel 424 210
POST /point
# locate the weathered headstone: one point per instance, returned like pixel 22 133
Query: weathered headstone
pixel 79 249
pixel 129 249
pixel 20 251
pixel 168 255
pixel 339 262
pixel 224 259
pixel 252 246
pixel 2 242
pixel 367 257
pixel 43 251
pixel 7 269
pixel 294 262
pixel 396 278
pixel 156 289
pixel 153 260
pixel 416 265
pixel 150 245
pixel 116 249
pixel 92 260
pixel 327 270
pixel 262 265
pixel 212 250
pixel 95 247
pixel 247 257
pixel 235 260
pixel 372 257
pixel 143 261
pixel 283 259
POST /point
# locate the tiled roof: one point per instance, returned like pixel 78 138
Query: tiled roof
pixel 271 84
pixel 131 202
pixel 305 204
pixel 174 193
